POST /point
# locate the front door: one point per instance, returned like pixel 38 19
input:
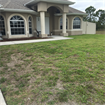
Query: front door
pixel 46 24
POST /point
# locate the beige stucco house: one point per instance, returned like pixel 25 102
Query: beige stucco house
pixel 21 18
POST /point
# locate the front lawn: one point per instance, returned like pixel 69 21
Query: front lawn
pixel 54 73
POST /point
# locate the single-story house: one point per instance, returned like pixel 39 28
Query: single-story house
pixel 24 18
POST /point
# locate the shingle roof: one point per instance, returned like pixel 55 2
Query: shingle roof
pixel 14 4
pixel 72 10
pixel 19 4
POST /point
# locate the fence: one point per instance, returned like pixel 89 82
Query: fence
pixel 89 28
pixel 100 32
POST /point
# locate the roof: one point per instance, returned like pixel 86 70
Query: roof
pixel 19 4
pixel 67 2
pixel 72 10
pixel 14 4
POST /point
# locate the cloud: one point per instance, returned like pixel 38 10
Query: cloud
pixel 83 4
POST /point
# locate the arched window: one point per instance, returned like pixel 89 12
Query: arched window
pixel 77 23
pixel 17 25
pixel 30 25
pixel 2 26
pixel 61 23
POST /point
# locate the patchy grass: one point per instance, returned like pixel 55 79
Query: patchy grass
pixel 54 73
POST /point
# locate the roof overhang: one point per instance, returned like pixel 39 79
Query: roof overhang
pixel 82 14
pixel 18 10
pixel 32 2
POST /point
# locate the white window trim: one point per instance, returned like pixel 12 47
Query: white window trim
pixel 25 23
pixel 81 23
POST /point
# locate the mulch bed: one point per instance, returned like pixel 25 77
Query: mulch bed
pixel 19 39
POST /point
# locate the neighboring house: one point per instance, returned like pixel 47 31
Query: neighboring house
pixel 20 18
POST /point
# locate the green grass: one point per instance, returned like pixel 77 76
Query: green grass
pixel 51 73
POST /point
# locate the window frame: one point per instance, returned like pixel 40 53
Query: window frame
pixel 79 23
pixel 25 26
pixel 4 25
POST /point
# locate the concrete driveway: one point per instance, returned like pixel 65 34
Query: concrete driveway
pixel 54 38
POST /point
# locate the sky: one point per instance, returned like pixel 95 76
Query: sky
pixel 83 4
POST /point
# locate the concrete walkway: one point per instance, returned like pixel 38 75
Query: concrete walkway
pixel 54 38
pixel 2 101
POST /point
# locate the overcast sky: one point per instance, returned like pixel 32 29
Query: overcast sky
pixel 83 4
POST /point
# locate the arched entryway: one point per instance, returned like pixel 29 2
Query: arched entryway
pixel 49 19
pixel 52 11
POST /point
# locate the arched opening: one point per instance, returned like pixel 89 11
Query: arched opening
pixel 54 10
pixel 2 26
pixel 76 23
pixel 61 23
pixel 53 23
pixel 30 24
pixel 17 25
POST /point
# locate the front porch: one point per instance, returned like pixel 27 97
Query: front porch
pixel 46 22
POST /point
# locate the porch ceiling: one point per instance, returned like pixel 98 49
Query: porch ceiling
pixel 32 2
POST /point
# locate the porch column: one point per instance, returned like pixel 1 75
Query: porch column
pixel 64 25
pixel 42 21
pixel 64 22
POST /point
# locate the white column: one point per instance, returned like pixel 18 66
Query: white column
pixel 64 22
pixel 42 20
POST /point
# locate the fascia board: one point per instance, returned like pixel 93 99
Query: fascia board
pixel 49 1
pixel 83 14
pixel 18 10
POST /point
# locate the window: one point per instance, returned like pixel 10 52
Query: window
pixel 61 23
pixel 2 26
pixel 17 25
pixel 77 23
pixel 30 25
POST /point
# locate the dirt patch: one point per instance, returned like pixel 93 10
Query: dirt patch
pixel 14 61
pixel 68 103
pixel 59 85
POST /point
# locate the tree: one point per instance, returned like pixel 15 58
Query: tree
pixel 100 14
pixel 91 14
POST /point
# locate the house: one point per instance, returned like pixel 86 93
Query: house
pixel 21 18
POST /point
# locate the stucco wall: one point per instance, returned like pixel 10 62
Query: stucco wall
pixel 70 30
pixel 25 16
pixel 42 6
pixel 75 32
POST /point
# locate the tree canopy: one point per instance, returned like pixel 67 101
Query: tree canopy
pixel 97 17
